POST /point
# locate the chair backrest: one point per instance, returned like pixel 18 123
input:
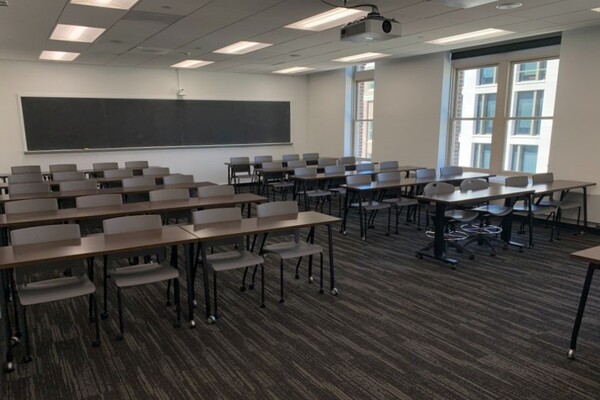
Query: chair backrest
pixel 220 215
pixel 176 179
pixel 425 173
pixel 169 194
pixel 262 159
pixel 154 171
pixel 29 188
pixel 305 171
pixel 46 234
pixel 296 164
pixel 272 165
pixel 26 169
pixel 334 170
pixel 30 206
pixel 364 167
pixel 347 160
pixel 449 171
pixel 104 166
pixel 215 191
pixel 388 176
pixel 131 223
pixel 474 184
pixel 324 162
pixel 434 188
pixel 62 168
pixel 139 181
pixel 118 173
pixel 388 165
pixel 517 181
pixel 276 208
pixel 25 178
pixel 99 200
pixel 310 156
pixel 136 164
pixel 239 160
pixel 353 180
pixel 290 157
pixel 546 177
pixel 68 176
pixel 75 186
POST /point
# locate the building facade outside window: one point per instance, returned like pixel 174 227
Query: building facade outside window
pixel 510 129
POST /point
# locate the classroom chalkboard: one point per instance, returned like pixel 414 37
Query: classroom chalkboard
pixel 63 123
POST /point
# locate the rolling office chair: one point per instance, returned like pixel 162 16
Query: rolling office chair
pixel 62 168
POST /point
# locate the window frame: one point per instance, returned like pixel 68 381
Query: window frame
pixel 360 76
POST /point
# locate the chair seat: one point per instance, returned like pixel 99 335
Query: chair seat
pixel 461 215
pixel 293 249
pixel 494 209
pixel 535 209
pixel 55 289
pixel 371 205
pixel 142 274
pixel 316 193
pixel 401 202
pixel 233 260
pixel 562 204
pixel 338 190
pixel 281 184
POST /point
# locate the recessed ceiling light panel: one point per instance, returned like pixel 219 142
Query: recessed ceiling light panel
pixel 118 4
pixel 242 47
pixel 329 19
pixel 191 64
pixel 58 55
pixel 509 6
pixel 475 35
pixel 76 33
pixel 292 70
pixel 361 57
pixel 464 3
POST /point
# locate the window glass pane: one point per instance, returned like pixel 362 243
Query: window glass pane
pixel 363 119
pixel 363 138
pixel 487 76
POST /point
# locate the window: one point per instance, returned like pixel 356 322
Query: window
pixel 508 129
pixel 363 120
pixel 523 158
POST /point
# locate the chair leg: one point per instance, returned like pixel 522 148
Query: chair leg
pixel 321 274
pixel 262 286
pixel 13 294
pixel 216 314
pixel 253 278
pixel 120 307
pixel 389 221
pixel 27 357
pixel 105 284
pixel 281 300
pixel 94 300
pixel 243 287
pixel 177 294
pixel 168 302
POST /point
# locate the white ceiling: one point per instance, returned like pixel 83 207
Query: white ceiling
pixel 193 29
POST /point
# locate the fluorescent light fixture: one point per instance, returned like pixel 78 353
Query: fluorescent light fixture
pixel 76 33
pixel 58 55
pixel 191 64
pixel 596 9
pixel 329 19
pixel 118 4
pixel 464 3
pixel 465 37
pixel 361 57
pixel 242 47
pixel 293 70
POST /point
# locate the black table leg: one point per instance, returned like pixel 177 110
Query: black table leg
pixel 190 261
pixel 4 325
pixel 346 208
pixel 332 288
pixel 579 317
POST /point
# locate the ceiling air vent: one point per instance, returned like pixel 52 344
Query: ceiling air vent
pixel 150 50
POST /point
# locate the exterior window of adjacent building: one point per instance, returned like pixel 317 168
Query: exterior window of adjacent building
pixel 364 92
pixel 511 129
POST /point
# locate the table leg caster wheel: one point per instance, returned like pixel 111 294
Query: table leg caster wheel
pixel 194 303
pixel 344 233
pixel 27 359
pixel 310 279
pixel 10 367
pixel 334 292
pixel 571 354
pixel 96 343
pixel 211 320
pixel 14 341
pixel 192 324
pixel 104 315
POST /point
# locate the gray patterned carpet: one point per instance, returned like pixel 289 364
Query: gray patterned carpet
pixel 401 328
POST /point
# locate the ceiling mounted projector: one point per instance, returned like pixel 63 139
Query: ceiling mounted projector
pixel 373 27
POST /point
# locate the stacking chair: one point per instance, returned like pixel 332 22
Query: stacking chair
pixel 370 207
pixel 521 208
pixel 25 178
pixel 425 173
pixel 135 182
pixel 26 169
pixel 484 232
pixel 310 189
pixel 310 157
pixel 177 179
pixel 68 176
pixel 76 186
pixel 139 274
pixel 398 202
pixel 450 171
pixel 388 166
pixel 560 204
pixel 365 168
pixel 258 160
pixel 118 173
pixel 326 162
pixel 291 249
pixel 296 164
pixel 30 206
pixel 290 157
pixel 93 226
pixel 452 236
pixel 215 191
pixel 29 188
pixel 171 195
pixel 241 172
pixel 236 258
pixel 46 283
pixel 62 168
pixel 277 180
pixel 136 164
pixel 99 168
pixel 347 161
pixel 334 183
pixel 156 171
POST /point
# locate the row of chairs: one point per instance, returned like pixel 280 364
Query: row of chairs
pixel 54 168
pixel 65 176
